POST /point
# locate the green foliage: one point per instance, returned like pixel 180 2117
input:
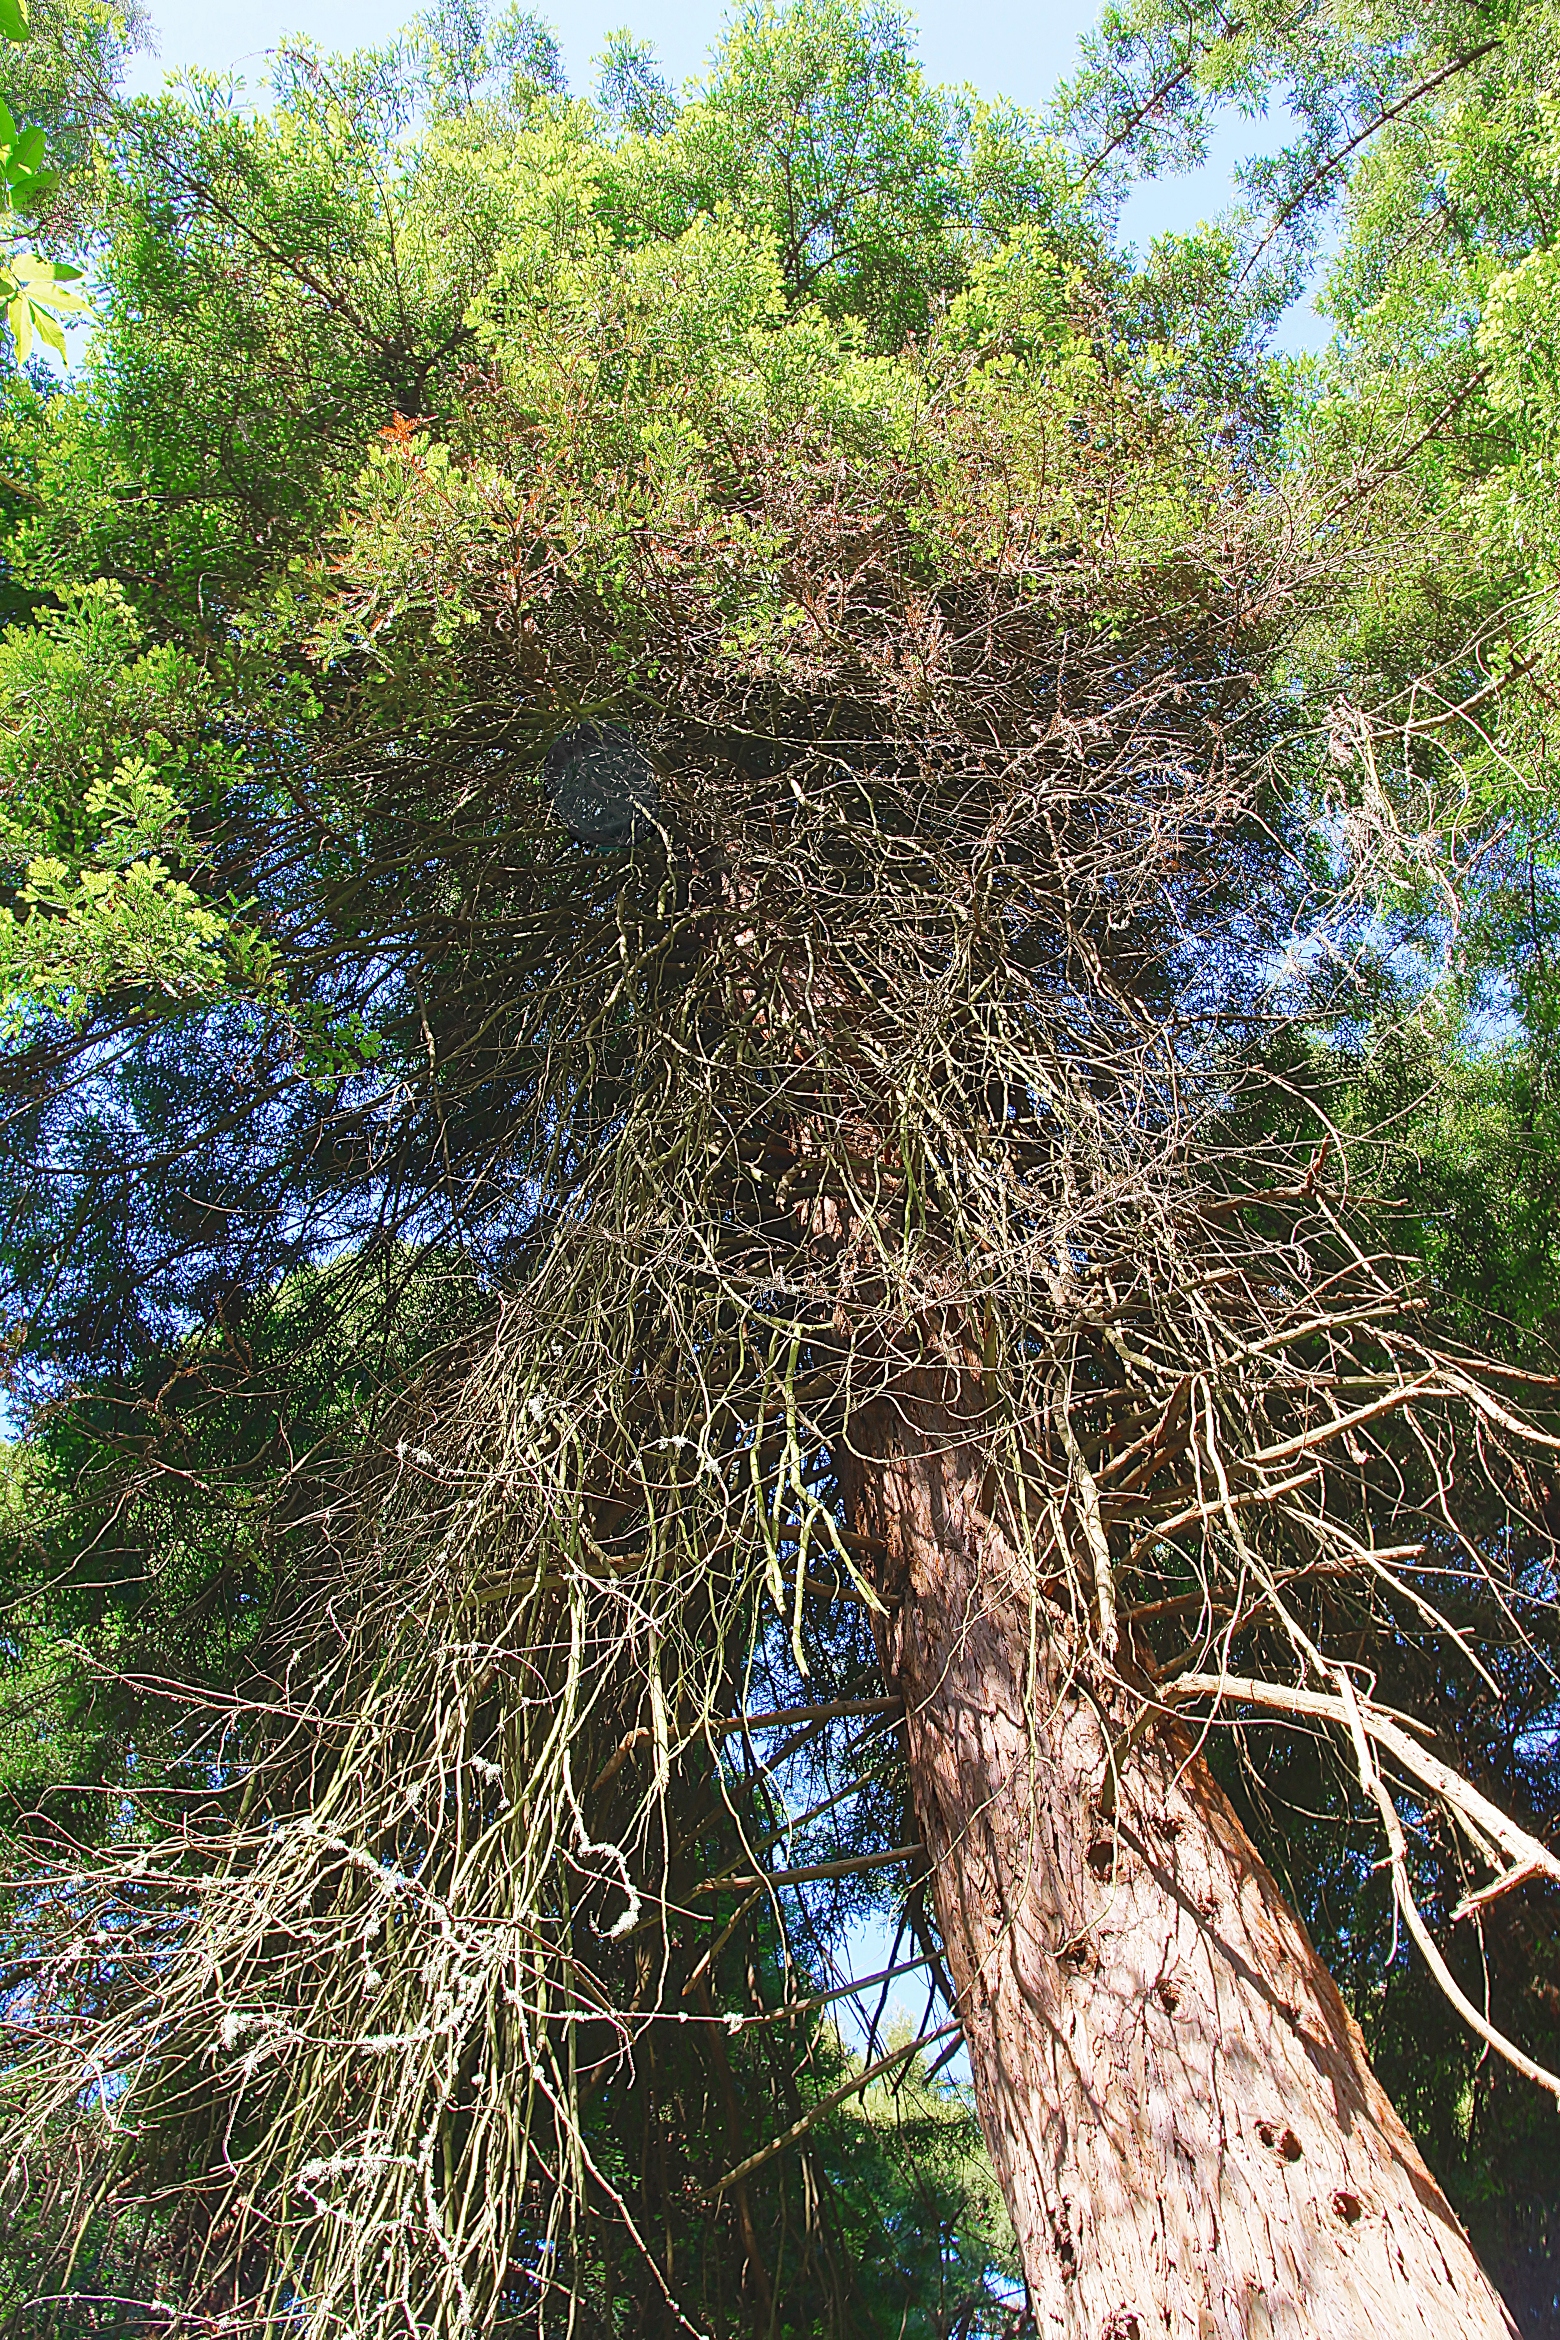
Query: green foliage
pixel 110 749
pixel 278 287
pixel 262 313
pixel 470 57
pixel 26 185
pixel 816 131
pixel 1431 399
pixel 140 1543
pixel 63 80
pixel 631 91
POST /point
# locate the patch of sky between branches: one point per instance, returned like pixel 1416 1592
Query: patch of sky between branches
pixel 1179 203
pixel 910 2002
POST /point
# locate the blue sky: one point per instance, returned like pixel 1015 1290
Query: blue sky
pixel 1021 53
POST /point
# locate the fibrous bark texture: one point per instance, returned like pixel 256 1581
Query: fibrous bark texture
pixel 1179 2105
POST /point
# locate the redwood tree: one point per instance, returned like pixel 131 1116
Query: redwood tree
pixel 751 867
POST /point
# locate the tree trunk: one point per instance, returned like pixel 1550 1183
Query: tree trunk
pixel 1179 2106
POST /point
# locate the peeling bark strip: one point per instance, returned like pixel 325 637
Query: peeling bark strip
pixel 1191 2141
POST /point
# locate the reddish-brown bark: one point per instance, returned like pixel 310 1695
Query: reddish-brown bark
pixel 1180 2108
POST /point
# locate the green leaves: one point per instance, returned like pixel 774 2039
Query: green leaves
pixel 38 300
pixel 273 290
pixel 817 132
pixel 14 19
pixel 94 930
pixel 108 748
pixel 21 164
pixel 34 292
